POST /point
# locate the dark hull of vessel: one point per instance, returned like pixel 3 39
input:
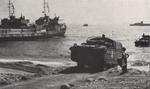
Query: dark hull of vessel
pixel 85 25
pixel 21 38
pixel 142 44
pixel 139 24
pixel 31 38
pixel 24 38
pixel 28 38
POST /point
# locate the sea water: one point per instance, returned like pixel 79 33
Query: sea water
pixel 57 48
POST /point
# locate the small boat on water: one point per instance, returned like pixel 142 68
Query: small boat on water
pixel 144 41
pixel 85 25
pixel 140 24
pixel 13 28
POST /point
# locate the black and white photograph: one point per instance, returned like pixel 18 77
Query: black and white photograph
pixel 74 44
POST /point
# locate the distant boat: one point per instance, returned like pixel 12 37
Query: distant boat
pixel 144 41
pixel 140 24
pixel 85 25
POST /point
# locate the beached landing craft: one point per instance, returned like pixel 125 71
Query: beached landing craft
pixel 143 42
pixel 97 52
pixel 13 28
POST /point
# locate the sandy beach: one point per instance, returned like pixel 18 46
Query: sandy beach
pixel 29 75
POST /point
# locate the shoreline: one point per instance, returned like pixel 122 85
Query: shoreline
pixel 16 71
pixel 25 71
pixel 137 64
pixel 50 63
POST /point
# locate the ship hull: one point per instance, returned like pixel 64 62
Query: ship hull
pixel 139 24
pixel 29 36
pixel 142 44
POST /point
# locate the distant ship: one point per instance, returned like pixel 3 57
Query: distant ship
pixel 50 25
pixel 140 24
pixel 144 41
pixel 85 25
pixel 13 28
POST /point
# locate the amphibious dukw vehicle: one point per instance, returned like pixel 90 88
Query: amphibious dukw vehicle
pixel 144 41
pixel 97 52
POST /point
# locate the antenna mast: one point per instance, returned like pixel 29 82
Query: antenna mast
pixel 11 9
pixel 46 7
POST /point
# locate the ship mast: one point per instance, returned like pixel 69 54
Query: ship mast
pixel 46 7
pixel 11 9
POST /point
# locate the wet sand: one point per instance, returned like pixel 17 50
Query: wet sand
pixel 13 72
pixel 28 75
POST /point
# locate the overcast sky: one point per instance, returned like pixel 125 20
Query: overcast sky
pixel 84 11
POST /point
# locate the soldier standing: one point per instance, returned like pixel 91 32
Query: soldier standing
pixel 123 61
